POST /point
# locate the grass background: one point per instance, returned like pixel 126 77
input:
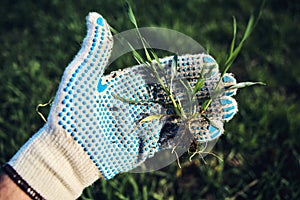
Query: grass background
pixel 260 147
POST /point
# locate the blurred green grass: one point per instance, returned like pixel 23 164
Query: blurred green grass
pixel 260 147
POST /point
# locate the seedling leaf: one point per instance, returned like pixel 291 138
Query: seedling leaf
pixel 245 84
pixel 130 14
pixel 199 85
pixel 151 118
pixel 125 100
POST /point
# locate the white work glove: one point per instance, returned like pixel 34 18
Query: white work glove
pixel 91 133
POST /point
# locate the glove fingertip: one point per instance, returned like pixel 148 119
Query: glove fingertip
pixel 209 131
pixel 228 80
pixel 229 107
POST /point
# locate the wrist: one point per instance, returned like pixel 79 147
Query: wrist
pixel 9 190
pixel 13 186
pixel 54 165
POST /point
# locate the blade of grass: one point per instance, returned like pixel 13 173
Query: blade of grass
pixel 136 55
pixel 245 84
pixel 145 193
pixel 205 104
pixel 234 35
pixel 130 14
pixel 190 96
pixel 233 52
pixel 113 30
pixel 41 105
pixel 134 22
pixel 152 117
pixel 125 100
pixel 199 85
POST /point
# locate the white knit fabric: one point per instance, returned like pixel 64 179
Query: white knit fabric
pixel 55 165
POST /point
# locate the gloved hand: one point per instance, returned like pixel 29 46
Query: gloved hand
pixel 91 133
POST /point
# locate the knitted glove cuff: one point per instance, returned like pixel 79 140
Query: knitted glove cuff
pixel 54 165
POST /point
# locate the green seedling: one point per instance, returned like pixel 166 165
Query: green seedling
pixel 152 64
